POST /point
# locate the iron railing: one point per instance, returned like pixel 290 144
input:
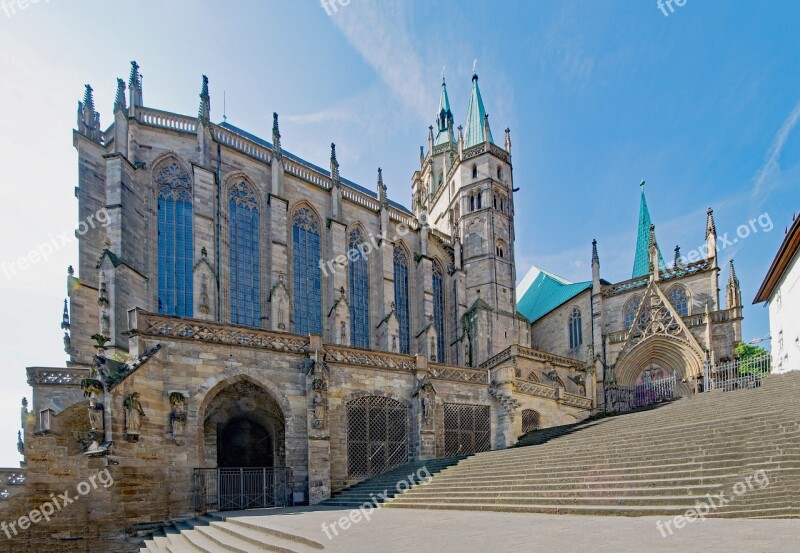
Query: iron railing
pixel 649 392
pixel 234 489
pixel 737 374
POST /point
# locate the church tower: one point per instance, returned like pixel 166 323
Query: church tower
pixel 465 190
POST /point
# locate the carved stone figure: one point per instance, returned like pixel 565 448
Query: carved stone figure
pixel 318 405
pixel 426 408
pixel 133 415
pixel 96 414
pixel 177 417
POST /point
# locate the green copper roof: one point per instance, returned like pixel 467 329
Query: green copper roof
pixel 476 114
pixel 641 265
pixel 541 292
pixel 444 118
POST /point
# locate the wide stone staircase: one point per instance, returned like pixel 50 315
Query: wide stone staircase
pixel 390 484
pixel 661 461
pixel 214 534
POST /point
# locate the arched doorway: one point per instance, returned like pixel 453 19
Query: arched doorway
pixel 244 427
pixel 243 450
pixel 244 442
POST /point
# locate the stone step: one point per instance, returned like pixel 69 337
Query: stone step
pixel 620 510
pixel 582 473
pixel 250 524
pixel 658 437
pixel 542 466
pixel 703 434
pixel 235 542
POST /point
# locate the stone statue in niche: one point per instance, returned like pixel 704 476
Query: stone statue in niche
pixel 343 334
pixel 426 408
pixel 318 409
pixel 133 416
pixel 433 349
pixel 177 417
pixel 204 302
pixel 394 343
pixel 96 415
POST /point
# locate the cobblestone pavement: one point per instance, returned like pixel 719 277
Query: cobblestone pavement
pixel 417 531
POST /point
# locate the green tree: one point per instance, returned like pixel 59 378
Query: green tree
pixel 752 359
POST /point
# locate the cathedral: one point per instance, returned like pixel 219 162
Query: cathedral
pixel 244 309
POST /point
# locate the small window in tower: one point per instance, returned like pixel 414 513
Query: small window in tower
pixel 499 173
pixel 479 200
pixel 495 200
pixel 472 203
pixel 474 171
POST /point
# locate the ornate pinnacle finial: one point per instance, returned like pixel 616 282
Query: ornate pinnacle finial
pixel 678 258
pixel 65 317
pixel 119 101
pixel 641 185
pixel 88 98
pixel 421 155
pixel 595 255
pixel 135 78
pixel 652 235
pixel 204 112
pixel 334 166
pixel 71 270
pixel 382 197
pixel 733 277
pixel 711 226
pixel 508 139
pixel 276 138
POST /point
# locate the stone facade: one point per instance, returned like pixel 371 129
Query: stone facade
pixel 152 398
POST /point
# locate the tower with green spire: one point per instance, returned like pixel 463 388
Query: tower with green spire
pixel 641 264
pixel 464 188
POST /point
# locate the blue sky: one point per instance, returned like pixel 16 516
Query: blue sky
pixel 702 103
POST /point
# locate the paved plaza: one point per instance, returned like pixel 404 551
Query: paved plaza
pixel 442 531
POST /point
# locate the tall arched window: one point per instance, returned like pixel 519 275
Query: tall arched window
pixel 631 308
pixel 244 256
pixel 401 297
pixel 479 200
pixel 305 259
pixel 359 290
pixel 575 329
pixel 679 299
pixel 438 310
pixel 175 241
pixel 472 203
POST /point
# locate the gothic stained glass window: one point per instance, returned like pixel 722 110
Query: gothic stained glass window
pixel 244 256
pixel 438 310
pixel 175 242
pixel 305 259
pixel 359 290
pixel 401 297
pixel 631 308
pixel 679 299
pixel 575 329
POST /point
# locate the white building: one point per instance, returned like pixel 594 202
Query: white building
pixel 781 290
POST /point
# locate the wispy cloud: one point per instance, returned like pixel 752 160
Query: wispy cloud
pixel 764 178
pixel 380 33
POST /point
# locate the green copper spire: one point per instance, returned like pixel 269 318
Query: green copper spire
pixel 641 265
pixel 444 118
pixel 476 116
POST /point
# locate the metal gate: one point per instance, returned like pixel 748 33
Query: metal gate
pixel 531 420
pixel 467 429
pixel 649 392
pixel 377 436
pixel 233 489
